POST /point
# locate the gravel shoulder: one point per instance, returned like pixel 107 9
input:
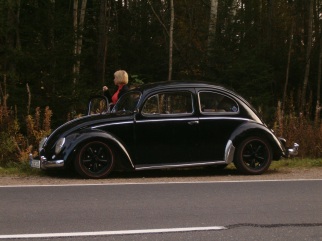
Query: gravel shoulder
pixel 189 175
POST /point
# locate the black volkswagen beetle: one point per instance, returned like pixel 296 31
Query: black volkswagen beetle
pixel 165 125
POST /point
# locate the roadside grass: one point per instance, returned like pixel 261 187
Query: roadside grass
pixel 297 163
pixel 19 169
pixel 23 169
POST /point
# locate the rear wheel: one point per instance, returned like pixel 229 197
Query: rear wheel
pixel 253 156
pixel 95 159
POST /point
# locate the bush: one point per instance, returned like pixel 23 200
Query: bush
pixel 300 129
pixel 14 146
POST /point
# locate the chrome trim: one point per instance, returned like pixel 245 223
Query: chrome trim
pixel 172 165
pixel 44 163
pixel 112 123
pixel 229 152
pixel 42 143
pixel 293 151
pixel 225 118
pixel 125 151
pixel 167 119
pixel 120 145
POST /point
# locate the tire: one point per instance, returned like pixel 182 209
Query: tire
pixel 94 159
pixel 253 156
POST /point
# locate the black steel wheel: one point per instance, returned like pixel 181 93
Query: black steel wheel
pixel 95 159
pixel 253 156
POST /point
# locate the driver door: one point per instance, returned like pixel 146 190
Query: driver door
pixel 166 130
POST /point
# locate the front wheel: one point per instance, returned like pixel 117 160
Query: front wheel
pixel 253 156
pixel 94 159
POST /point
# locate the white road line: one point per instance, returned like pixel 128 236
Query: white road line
pixel 109 233
pixel 154 183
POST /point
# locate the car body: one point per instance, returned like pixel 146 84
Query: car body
pixel 161 125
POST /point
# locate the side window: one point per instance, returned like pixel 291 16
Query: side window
pixel 127 102
pixel 168 103
pixel 211 102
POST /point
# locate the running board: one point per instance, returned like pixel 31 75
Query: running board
pixel 178 165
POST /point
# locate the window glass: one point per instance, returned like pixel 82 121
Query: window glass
pixel 168 103
pixel 127 102
pixel 216 103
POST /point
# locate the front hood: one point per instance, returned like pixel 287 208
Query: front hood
pixel 79 124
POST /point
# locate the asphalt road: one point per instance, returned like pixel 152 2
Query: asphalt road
pixel 256 210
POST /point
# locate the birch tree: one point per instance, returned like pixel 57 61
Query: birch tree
pixel 169 33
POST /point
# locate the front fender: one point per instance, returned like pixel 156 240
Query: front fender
pixel 74 140
pixel 255 129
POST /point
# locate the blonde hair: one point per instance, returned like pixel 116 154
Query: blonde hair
pixel 121 77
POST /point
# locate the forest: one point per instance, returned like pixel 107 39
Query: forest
pixel 55 54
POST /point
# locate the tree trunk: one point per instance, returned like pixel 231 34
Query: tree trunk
pixel 12 35
pixel 211 41
pixel 18 43
pixel 102 42
pixel 75 69
pixel 288 66
pixel 318 96
pixel 78 34
pixel 212 27
pixel 308 54
pixel 51 43
pixel 171 39
pixel 318 31
pixel 168 34
pixel 81 27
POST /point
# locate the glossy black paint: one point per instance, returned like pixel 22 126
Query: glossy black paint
pixel 167 140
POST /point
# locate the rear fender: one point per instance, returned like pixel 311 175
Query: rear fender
pixel 255 129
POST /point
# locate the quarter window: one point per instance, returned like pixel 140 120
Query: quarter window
pixel 211 102
pixel 168 103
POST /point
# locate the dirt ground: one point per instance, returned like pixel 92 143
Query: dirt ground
pixel 189 175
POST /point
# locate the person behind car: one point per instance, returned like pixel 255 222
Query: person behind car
pixel 121 80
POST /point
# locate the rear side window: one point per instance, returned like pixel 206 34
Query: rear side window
pixel 168 103
pixel 211 102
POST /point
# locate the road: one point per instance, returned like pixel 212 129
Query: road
pixel 241 210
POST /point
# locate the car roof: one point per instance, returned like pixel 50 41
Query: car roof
pixel 163 85
pixel 181 84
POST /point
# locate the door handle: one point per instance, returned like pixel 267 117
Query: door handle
pixel 193 122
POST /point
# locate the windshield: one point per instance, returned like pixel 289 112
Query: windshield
pixel 128 102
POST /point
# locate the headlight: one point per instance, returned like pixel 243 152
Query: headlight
pixel 41 143
pixel 59 145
